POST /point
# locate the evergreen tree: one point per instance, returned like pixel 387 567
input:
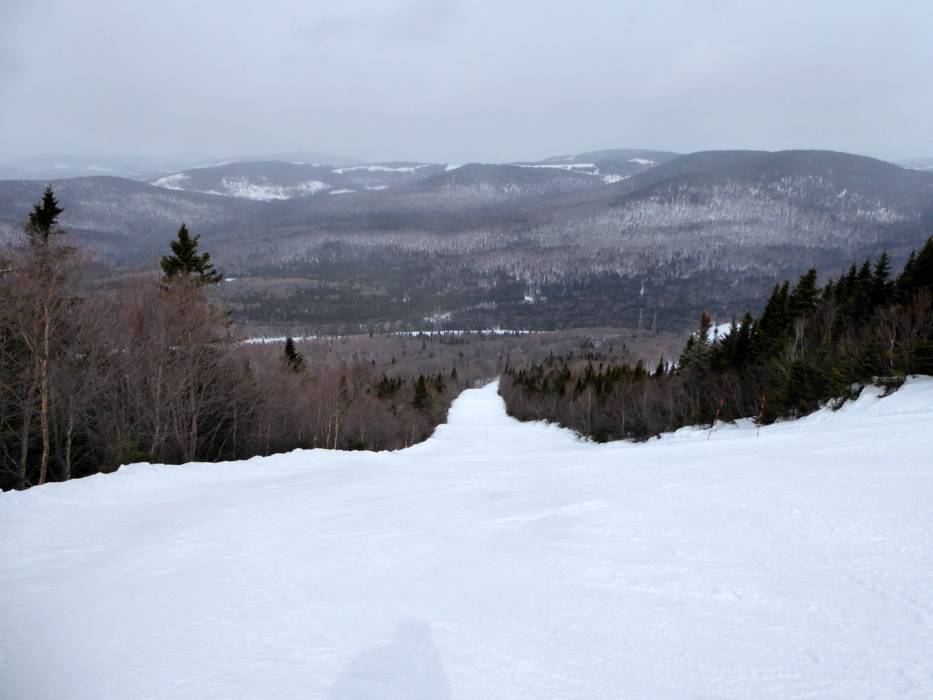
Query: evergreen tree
pixel 881 284
pixel 185 260
pixel 696 352
pixel 44 217
pixel 661 369
pixel 422 400
pixel 917 273
pixel 804 296
pixel 292 356
pixel 743 341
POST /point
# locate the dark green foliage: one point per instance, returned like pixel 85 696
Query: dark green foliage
pixel 293 358
pixel 186 261
pixel 422 399
pixel 388 388
pixel 918 273
pixel 808 346
pixel 44 217
pixel 881 282
pixel 660 370
pixel 804 296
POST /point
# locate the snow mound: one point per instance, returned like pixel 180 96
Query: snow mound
pixel 495 560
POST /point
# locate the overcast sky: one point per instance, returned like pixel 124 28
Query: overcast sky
pixel 458 80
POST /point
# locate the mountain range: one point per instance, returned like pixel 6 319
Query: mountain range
pixel 614 237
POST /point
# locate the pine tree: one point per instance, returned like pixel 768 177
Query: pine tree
pixel 43 218
pixel 743 341
pixel 294 360
pixel 881 284
pixel 697 350
pixel 661 369
pixel 422 400
pixel 804 296
pixel 187 262
pixel 917 273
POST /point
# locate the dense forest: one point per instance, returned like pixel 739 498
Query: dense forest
pixel 809 345
pixel 151 370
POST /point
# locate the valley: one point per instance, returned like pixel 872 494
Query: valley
pixel 627 238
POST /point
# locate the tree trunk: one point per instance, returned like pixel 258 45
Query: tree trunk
pixel 44 377
pixel 157 427
pixel 69 434
pixel 24 438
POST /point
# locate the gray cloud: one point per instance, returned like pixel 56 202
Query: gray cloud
pixel 420 20
pixel 478 80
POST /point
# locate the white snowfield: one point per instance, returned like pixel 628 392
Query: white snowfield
pixel 495 560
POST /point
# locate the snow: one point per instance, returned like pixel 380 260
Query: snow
pixel 495 560
pixel 487 331
pixel 561 166
pixel 341 191
pixel 277 339
pixel 641 161
pixel 241 187
pixel 383 168
pixel 612 179
pixel 720 330
pixel 172 182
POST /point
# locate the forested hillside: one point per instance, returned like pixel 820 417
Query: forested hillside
pixel 610 238
pixel 809 345
pixel 151 370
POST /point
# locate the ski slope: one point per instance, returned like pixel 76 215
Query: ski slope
pixel 495 560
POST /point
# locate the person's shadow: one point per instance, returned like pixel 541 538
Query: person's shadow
pixel 407 666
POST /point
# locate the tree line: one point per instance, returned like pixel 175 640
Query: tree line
pixel 808 346
pixel 150 369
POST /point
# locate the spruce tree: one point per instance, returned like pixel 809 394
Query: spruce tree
pixel 804 296
pixel 743 341
pixel 294 360
pixel 422 399
pixel 185 261
pixel 44 217
pixel 881 284
pixel 917 273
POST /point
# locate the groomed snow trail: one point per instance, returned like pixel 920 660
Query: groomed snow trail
pixel 495 560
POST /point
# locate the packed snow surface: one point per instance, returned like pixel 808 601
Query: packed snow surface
pixel 495 560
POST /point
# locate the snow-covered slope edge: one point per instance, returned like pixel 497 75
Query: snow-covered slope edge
pixel 497 559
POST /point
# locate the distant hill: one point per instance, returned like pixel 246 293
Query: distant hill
pixel 282 178
pixel 552 243
pixel 124 220
pixel 267 180
pixel 918 164
pixel 62 166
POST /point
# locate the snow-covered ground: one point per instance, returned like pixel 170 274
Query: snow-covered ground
pixel 495 560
